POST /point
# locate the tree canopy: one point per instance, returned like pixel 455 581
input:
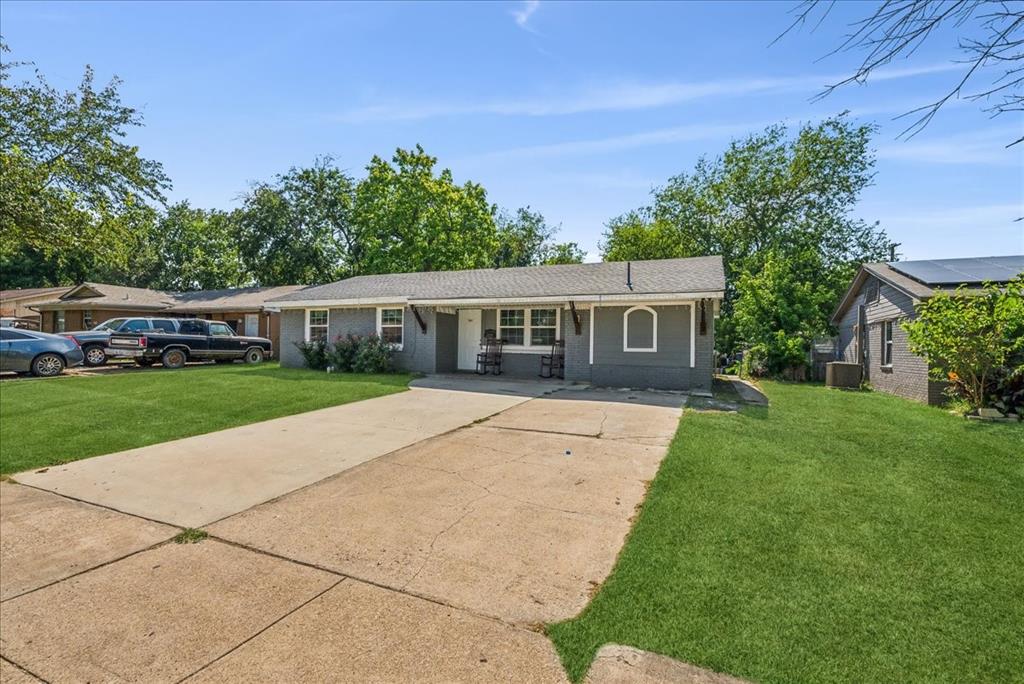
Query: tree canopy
pixel 73 190
pixel 774 197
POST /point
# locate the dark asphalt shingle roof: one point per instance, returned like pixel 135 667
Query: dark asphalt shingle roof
pixel 663 276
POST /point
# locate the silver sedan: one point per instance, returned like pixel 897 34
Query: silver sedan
pixel 38 353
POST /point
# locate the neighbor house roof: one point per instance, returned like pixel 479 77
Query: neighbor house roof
pixel 105 296
pixel 231 299
pixel 922 279
pixel 658 279
pixel 31 292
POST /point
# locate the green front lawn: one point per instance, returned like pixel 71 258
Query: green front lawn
pixel 833 537
pixel 45 422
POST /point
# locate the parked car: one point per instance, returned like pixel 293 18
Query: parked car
pixel 22 323
pixel 94 342
pixel 38 353
pixel 195 340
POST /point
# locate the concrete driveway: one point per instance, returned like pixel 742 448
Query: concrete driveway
pixel 431 556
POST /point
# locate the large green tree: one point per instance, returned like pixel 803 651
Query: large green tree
pixel 196 249
pixel 413 218
pixel 298 229
pixel 779 193
pixel 525 239
pixel 73 190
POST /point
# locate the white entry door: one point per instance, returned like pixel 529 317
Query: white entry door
pixel 252 325
pixel 469 337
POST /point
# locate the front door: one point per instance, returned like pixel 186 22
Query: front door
pixel 252 325
pixel 469 337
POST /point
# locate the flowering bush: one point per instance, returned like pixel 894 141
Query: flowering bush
pixel 314 354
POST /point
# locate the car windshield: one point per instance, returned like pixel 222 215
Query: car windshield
pixel 112 324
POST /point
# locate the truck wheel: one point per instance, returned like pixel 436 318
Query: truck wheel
pixel 173 359
pixel 95 356
pixel 47 365
pixel 254 355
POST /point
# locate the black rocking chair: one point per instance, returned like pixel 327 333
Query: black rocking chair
pixel 489 360
pixel 553 365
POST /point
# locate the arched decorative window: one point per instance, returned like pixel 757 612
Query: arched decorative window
pixel 640 329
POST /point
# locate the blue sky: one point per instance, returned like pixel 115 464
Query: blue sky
pixel 576 109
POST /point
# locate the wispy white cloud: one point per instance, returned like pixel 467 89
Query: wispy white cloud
pixel 661 136
pixel 622 96
pixel 986 146
pixel 523 14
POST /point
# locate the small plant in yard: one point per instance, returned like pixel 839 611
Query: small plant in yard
pixel 314 354
pixel 190 535
pixel 973 341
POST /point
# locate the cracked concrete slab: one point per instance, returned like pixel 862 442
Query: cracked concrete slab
pixel 156 616
pixel 194 481
pixel 358 632
pixel 9 674
pixel 639 417
pixel 616 664
pixel 501 522
pixel 45 537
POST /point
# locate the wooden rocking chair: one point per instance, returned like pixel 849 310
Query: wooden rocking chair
pixel 553 365
pixel 489 360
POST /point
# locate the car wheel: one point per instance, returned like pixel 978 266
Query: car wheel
pixel 173 358
pixel 254 355
pixel 47 365
pixel 95 356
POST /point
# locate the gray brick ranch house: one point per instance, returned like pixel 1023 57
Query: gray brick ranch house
pixel 884 294
pixel 637 324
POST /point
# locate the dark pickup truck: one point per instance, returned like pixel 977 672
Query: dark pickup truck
pixel 195 340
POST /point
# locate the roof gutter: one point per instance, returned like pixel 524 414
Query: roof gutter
pixel 496 301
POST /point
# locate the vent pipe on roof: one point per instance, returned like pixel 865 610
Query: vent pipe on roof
pixel 629 274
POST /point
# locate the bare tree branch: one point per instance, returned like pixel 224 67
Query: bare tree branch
pixel 993 43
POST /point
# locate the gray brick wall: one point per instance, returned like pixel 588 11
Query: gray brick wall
pixel 908 375
pixel 577 347
pixel 293 329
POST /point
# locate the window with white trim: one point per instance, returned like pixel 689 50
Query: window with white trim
pixel 528 328
pixel 87 322
pixel 391 325
pixel 640 329
pixel 887 343
pixel 317 322
pixel 59 321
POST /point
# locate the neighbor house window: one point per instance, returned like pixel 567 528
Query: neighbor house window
pixel 316 324
pixel 390 325
pixel 58 321
pixel 87 319
pixel 887 343
pixel 528 327
pixel 640 329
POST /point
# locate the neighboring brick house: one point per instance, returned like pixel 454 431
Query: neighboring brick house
pixel 883 295
pixel 640 324
pixel 89 304
pixel 18 303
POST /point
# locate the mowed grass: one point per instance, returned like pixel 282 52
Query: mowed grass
pixel 832 537
pixel 46 422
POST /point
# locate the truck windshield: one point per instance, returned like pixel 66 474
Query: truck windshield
pixel 113 324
